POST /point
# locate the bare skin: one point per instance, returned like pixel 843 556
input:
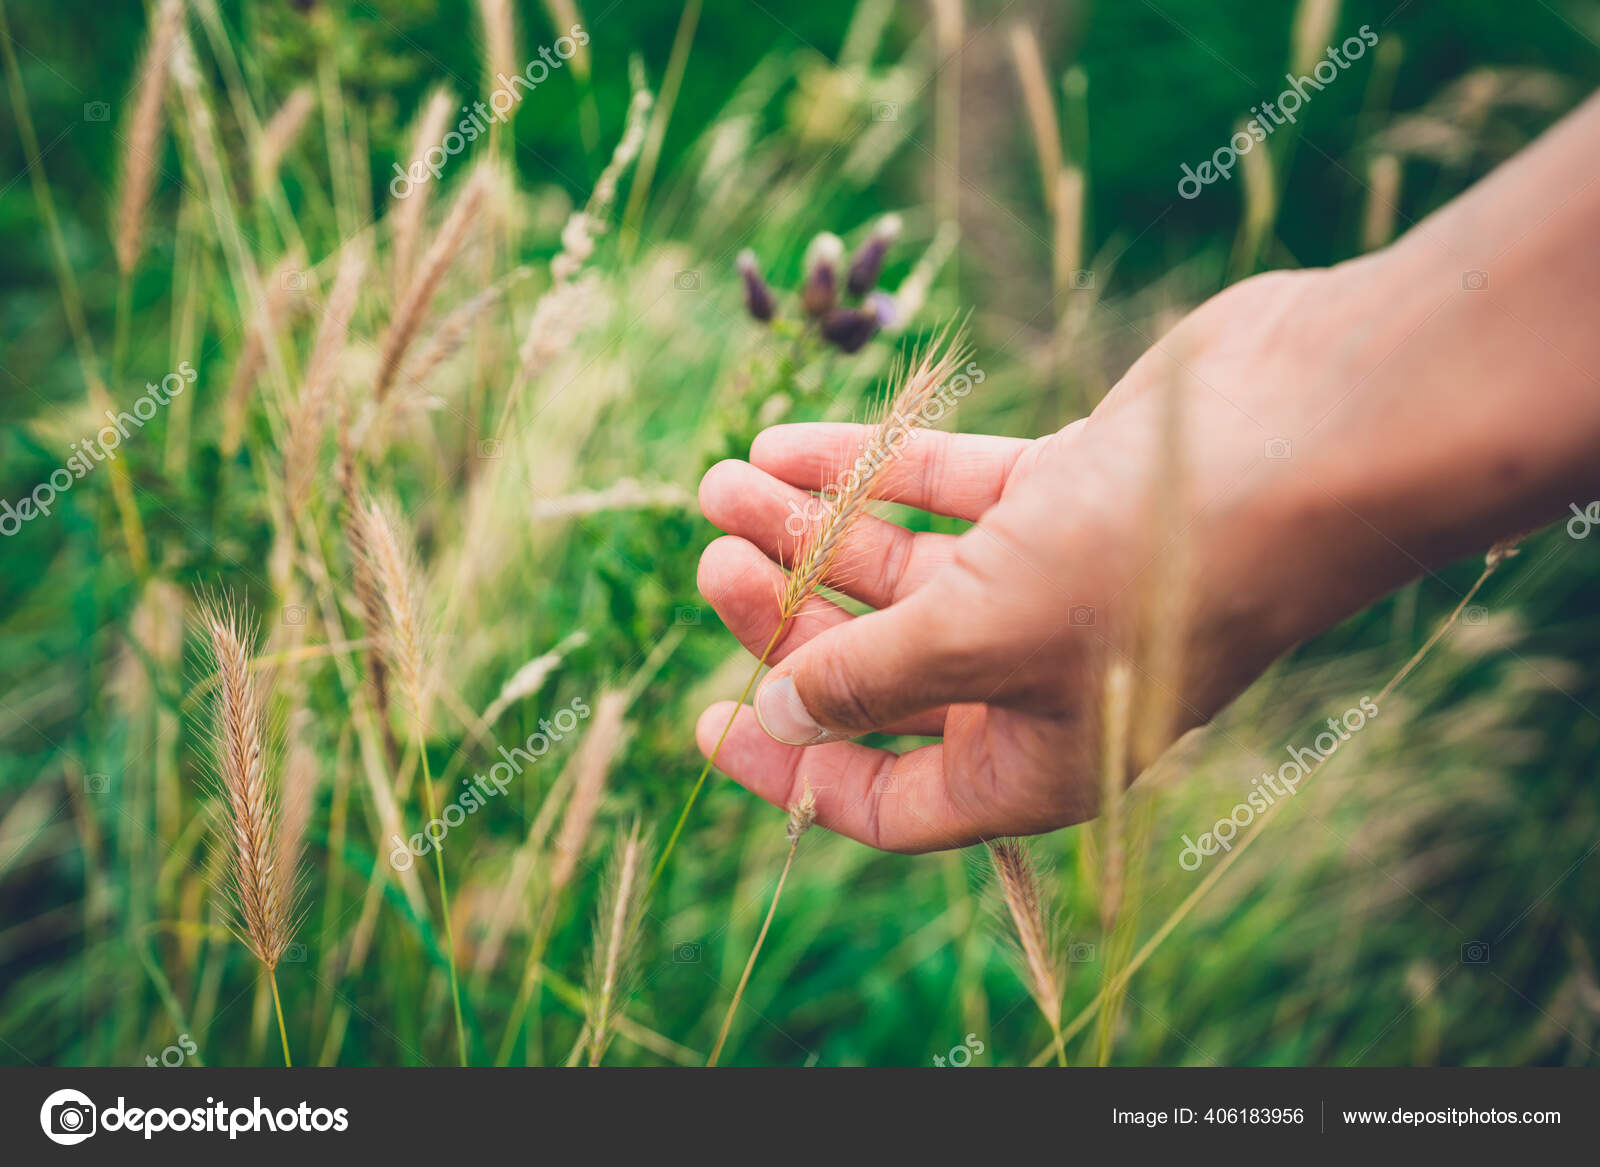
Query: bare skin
pixel 1341 432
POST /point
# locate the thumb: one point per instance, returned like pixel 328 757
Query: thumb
pixel 877 669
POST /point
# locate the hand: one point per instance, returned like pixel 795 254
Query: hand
pixel 996 640
pixel 1296 447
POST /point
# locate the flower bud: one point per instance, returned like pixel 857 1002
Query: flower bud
pixel 821 289
pixel 868 262
pixel 848 329
pixel 758 298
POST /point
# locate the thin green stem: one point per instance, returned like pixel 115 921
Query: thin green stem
pixel 749 966
pixel 444 901
pixel 530 982
pixel 277 1004
pixel 711 759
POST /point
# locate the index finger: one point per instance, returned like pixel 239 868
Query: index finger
pixel 961 475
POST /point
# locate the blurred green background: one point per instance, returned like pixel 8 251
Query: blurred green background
pixel 1348 935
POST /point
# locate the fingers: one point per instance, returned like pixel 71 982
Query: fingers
pixel 961 475
pixel 897 802
pixel 743 586
pixel 879 669
pixel 880 561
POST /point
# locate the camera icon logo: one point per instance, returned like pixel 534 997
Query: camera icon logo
pixel 294 281
pixel 1475 952
pixel 294 615
pixel 96 111
pixel 294 953
pixel 1080 952
pixel 1278 449
pixel 1475 614
pixel 68 1117
pixel 1082 280
pixel 1081 616
pixel 490 448
pixel 97 783
pixel 1474 281
pixel 885 111
pixel 687 952
pixel 687 281
pixel 686 614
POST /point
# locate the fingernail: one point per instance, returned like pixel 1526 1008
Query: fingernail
pixel 785 719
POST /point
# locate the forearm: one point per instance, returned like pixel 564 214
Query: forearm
pixel 1468 404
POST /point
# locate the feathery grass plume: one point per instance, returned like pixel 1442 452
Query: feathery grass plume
pixel 1313 29
pixel 451 333
pixel 307 424
pixel 280 133
pixel 1035 931
pixel 801 815
pixel 918 384
pixel 602 741
pixel 530 678
pixel 625 494
pixel 393 563
pixel 612 963
pixel 260 891
pixel 140 160
pixel 577 237
pixel 919 381
pixel 271 312
pixel 353 522
pixel 406 215
pixel 395 570
pixel 419 293
pixel 500 49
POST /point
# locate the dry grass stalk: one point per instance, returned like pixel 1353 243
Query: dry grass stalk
pixel 451 333
pixel 406 215
pixel 1115 720
pixel 563 15
pixel 280 133
pixel 419 293
pixel 1383 201
pixel 140 160
pixel 601 742
pixel 621 904
pixel 307 425
pixel 626 494
pixel 801 816
pixel 1313 29
pixel 1040 105
pixel 271 311
pixel 1034 929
